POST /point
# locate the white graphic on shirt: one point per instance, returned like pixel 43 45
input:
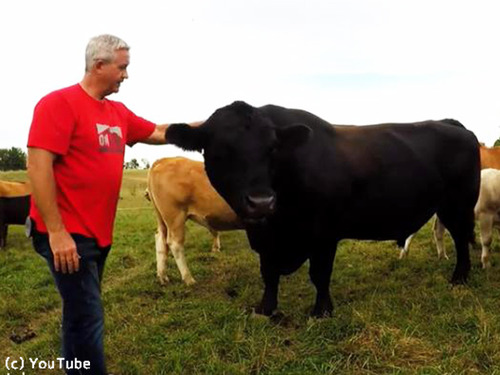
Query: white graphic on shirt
pixel 110 138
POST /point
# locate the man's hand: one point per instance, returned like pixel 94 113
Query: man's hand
pixel 158 135
pixel 66 258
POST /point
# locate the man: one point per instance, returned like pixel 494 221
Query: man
pixel 75 164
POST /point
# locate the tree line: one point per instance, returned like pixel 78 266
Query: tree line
pixel 134 164
pixel 14 159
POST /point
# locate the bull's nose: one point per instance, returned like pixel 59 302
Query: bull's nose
pixel 261 204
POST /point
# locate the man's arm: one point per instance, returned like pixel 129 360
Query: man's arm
pixel 158 135
pixel 41 175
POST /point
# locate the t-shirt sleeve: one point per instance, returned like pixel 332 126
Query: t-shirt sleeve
pixel 52 125
pixel 138 128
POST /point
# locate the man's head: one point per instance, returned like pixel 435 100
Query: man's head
pixel 107 58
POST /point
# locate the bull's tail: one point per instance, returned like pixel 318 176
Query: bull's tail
pixel 472 239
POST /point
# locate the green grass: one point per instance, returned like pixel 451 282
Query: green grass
pixel 390 317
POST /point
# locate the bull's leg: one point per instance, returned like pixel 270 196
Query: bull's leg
pixel 271 278
pixel 438 231
pixel 320 271
pixel 3 235
pixel 175 241
pixel 216 241
pixel 161 253
pixel 486 228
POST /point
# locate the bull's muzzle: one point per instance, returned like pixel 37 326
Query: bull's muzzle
pixel 259 206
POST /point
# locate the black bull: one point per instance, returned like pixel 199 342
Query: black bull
pixel 301 185
pixel 13 210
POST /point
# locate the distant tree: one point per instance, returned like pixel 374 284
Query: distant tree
pixel 497 143
pixel 145 163
pixel 132 164
pixel 12 159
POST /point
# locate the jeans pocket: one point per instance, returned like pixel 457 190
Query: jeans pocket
pixel 87 250
pixel 42 246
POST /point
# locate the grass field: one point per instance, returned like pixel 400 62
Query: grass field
pixel 390 317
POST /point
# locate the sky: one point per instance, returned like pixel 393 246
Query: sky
pixel 348 61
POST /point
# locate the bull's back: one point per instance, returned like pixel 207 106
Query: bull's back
pixel 390 179
pixel 424 147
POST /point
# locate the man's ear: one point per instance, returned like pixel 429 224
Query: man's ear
pixel 99 64
pixel 186 137
pixel 293 136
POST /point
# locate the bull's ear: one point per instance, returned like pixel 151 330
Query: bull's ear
pixel 294 135
pixel 186 137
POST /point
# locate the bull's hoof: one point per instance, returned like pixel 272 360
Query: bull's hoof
pixel 323 309
pixel 278 317
pixel 321 313
pixel 459 279
pixel 262 310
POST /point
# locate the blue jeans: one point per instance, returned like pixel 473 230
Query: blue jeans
pixel 83 314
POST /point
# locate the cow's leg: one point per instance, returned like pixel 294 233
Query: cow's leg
pixel 486 229
pixel 405 249
pixel 320 271
pixel 175 241
pixel 216 241
pixel 271 278
pixel 438 231
pixel 460 224
pixel 161 253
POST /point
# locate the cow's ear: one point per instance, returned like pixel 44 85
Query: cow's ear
pixel 186 137
pixel 294 135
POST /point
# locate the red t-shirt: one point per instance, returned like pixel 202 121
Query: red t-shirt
pixel 89 136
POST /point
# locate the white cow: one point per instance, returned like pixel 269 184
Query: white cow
pixel 487 210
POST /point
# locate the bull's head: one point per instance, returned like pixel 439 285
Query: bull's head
pixel 241 145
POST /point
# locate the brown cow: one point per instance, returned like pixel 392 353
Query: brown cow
pixel 180 190
pixel 490 157
pixel 14 189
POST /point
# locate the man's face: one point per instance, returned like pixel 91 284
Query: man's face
pixel 113 73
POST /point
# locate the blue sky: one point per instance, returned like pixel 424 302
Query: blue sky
pixel 349 61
